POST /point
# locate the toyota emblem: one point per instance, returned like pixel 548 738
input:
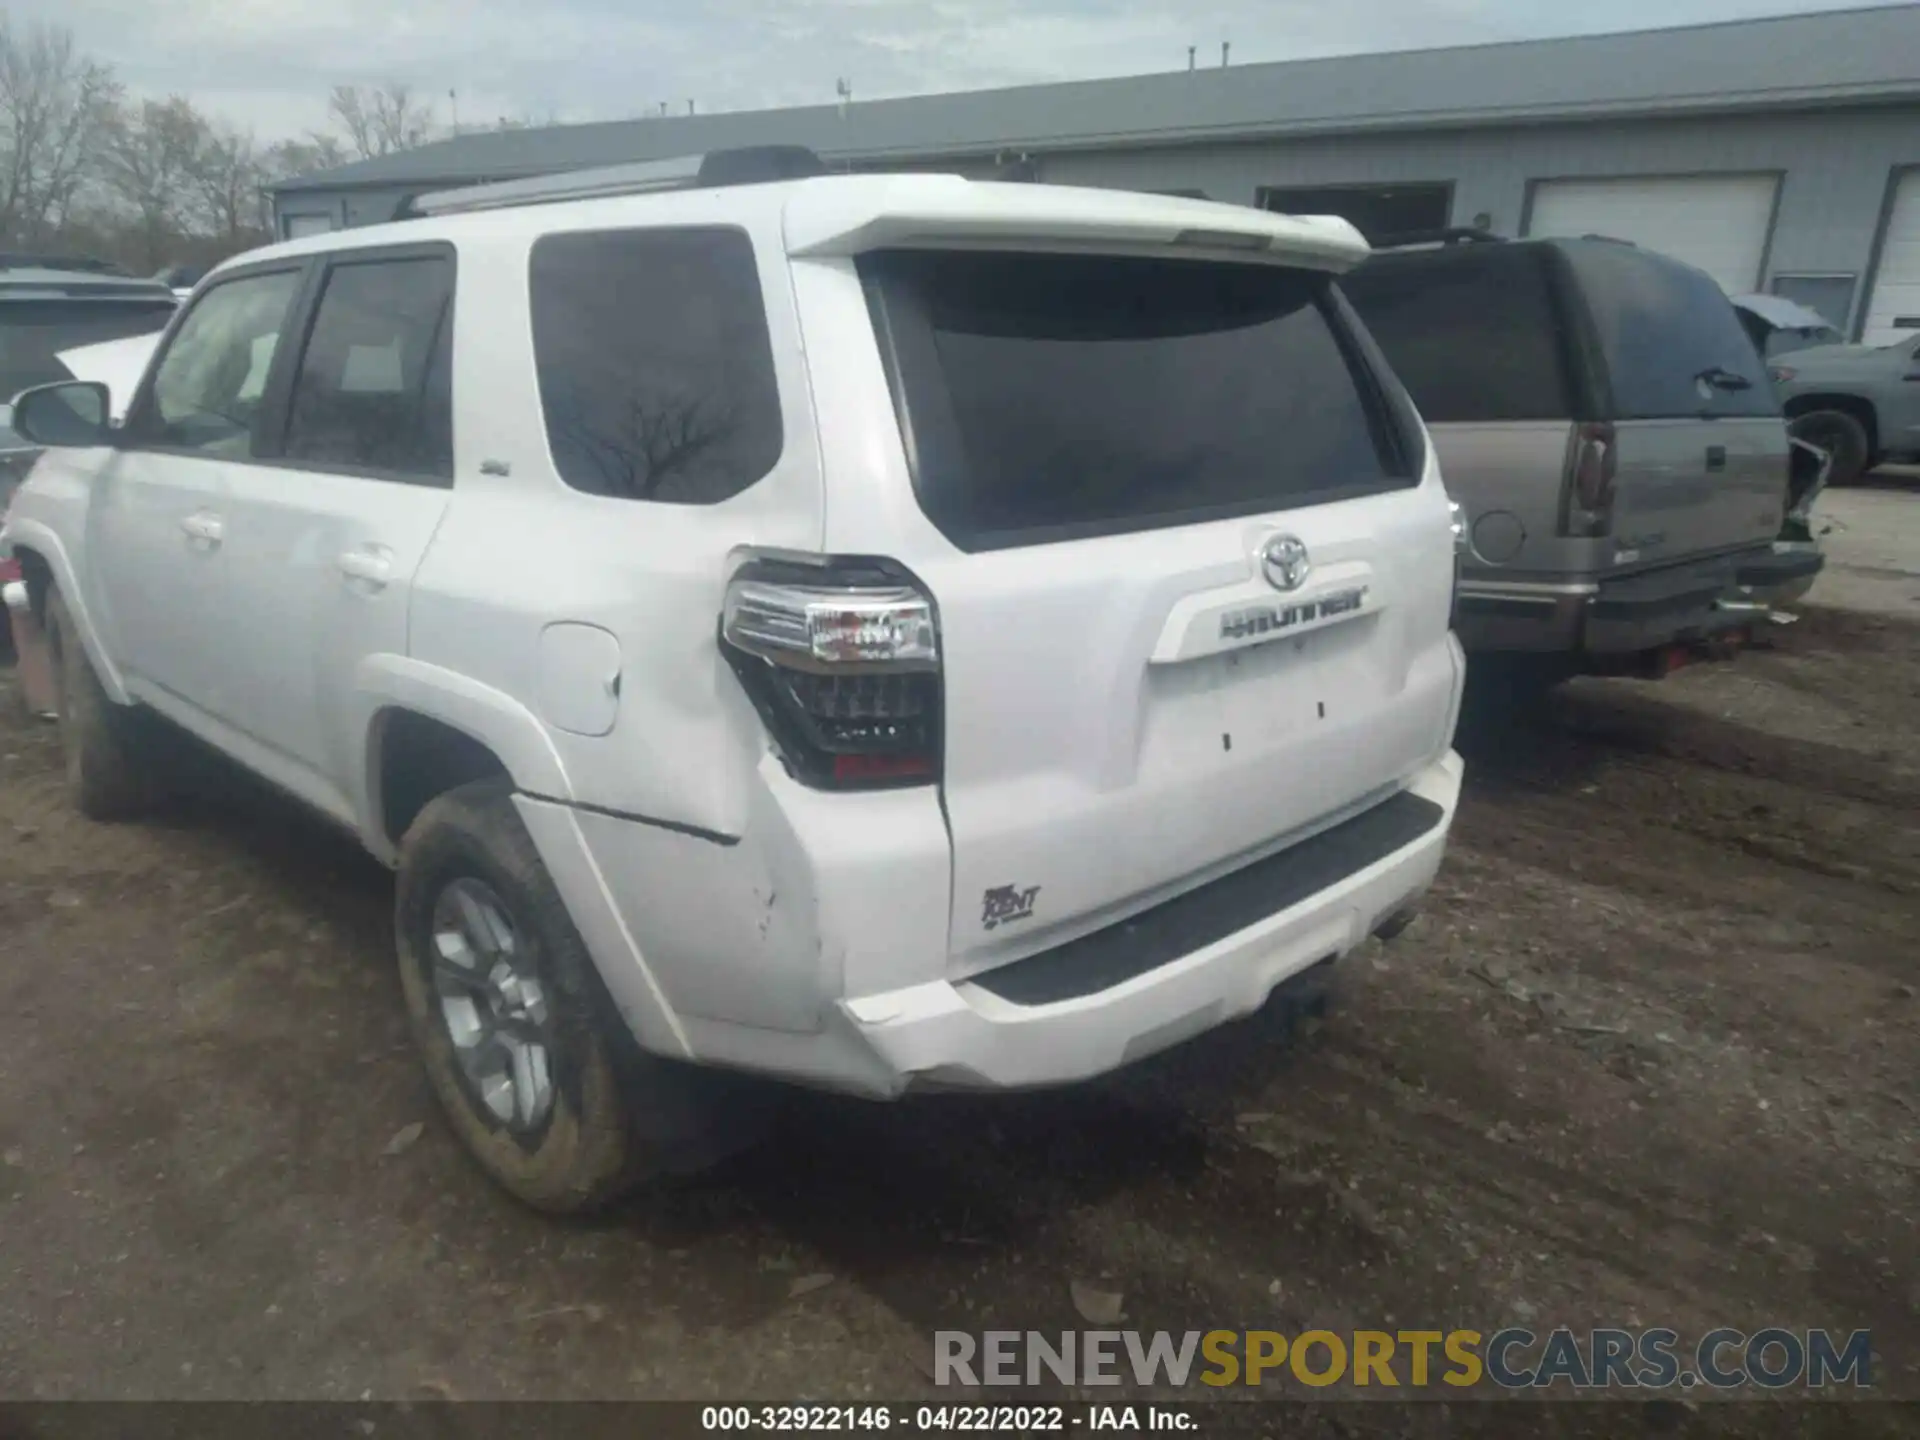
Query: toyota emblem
pixel 1283 560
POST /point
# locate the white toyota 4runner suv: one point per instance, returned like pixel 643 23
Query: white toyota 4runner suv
pixel 883 632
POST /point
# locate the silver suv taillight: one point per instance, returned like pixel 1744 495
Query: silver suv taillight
pixel 1591 466
pixel 843 663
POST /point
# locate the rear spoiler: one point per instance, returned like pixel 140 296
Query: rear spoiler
pixel 933 210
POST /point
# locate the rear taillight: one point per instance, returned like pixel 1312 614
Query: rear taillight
pixel 843 663
pixel 1590 466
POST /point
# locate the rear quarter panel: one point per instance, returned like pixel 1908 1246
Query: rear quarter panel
pixel 1508 476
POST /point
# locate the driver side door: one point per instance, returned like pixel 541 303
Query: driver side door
pixel 158 519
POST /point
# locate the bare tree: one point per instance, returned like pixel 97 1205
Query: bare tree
pixel 153 158
pixel 288 158
pixel 381 119
pixel 646 449
pixel 55 107
pixel 229 174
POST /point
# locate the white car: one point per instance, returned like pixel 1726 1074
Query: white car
pixel 881 632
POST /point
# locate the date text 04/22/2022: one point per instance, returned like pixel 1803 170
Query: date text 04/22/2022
pixel 944 1419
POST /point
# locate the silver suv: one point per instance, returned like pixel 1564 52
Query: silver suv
pixel 1609 431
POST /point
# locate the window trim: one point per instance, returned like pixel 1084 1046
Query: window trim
pixel 140 406
pixel 903 333
pixel 276 408
pixel 762 295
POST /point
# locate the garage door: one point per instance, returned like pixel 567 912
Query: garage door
pixel 298 226
pixel 1718 222
pixel 1894 309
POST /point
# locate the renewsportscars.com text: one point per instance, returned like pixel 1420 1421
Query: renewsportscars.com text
pixel 1513 1358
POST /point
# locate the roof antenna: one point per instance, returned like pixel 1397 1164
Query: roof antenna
pixel 1225 47
pixel 1190 50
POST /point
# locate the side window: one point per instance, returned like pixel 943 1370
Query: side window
pixel 656 372
pixel 209 384
pixel 373 391
pixel 1472 335
pixel 1662 327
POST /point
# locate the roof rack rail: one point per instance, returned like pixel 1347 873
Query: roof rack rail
pixel 1451 235
pixel 85 264
pixel 751 165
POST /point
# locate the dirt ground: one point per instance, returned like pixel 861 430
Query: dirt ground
pixel 1649 1058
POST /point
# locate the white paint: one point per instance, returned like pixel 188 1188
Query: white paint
pixel 579 678
pixel 1717 222
pixel 1896 282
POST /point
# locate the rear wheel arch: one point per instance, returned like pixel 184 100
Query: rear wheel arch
pixel 48 571
pixel 1858 406
pixel 413 758
pixel 38 575
pixel 469 729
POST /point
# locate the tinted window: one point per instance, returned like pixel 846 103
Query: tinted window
pixel 1661 327
pixel 656 373
pixel 208 387
pixel 34 332
pixel 1052 394
pixel 1474 335
pixel 374 387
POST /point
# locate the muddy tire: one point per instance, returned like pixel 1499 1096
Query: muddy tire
pixel 536 1072
pixel 1840 435
pixel 107 748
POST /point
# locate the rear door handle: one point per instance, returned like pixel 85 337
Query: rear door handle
pixel 1716 457
pixel 204 529
pixel 367 568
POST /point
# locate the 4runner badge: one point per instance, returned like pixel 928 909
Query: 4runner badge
pixel 1257 620
pixel 1006 903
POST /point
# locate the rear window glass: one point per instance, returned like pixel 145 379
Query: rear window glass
pixel 1473 335
pixel 34 332
pixel 656 372
pixel 1662 328
pixel 1046 396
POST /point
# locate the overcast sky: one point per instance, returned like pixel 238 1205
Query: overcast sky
pixel 267 64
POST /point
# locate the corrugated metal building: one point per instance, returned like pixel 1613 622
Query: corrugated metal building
pixel 1779 154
